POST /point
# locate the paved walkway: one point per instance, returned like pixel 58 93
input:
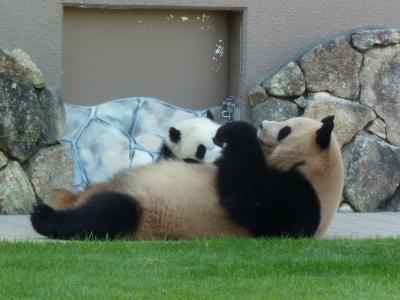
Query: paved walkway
pixel 345 225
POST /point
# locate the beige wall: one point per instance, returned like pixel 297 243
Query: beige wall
pixel 273 30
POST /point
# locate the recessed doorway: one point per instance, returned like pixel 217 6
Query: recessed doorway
pixel 176 55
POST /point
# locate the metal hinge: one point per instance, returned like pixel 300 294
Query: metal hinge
pixel 229 107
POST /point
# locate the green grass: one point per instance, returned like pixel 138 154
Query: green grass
pixel 202 269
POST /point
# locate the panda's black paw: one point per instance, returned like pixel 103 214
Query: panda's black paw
pixel 238 132
pixel 41 210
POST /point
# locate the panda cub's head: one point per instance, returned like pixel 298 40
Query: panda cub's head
pixel 192 141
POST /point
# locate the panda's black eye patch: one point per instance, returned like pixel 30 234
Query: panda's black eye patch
pixel 201 151
pixel 174 135
pixel 284 132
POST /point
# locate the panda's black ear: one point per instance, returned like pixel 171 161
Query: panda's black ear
pixel 325 132
pixel 209 115
pixel 174 135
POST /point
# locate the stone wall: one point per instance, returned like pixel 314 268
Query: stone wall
pixel 359 82
pixel 32 162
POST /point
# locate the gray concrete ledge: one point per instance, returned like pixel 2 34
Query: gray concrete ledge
pixel 345 225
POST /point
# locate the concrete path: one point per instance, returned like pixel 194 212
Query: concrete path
pixel 345 225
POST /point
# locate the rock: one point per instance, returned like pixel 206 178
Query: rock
pixel 372 172
pixel 333 67
pixel 301 102
pixel 364 39
pixel 3 160
pixel 54 116
pixel 257 95
pixel 380 87
pixel 21 118
pixel 378 128
pixel 274 110
pixel 350 117
pixel 19 66
pixel 345 208
pixel 16 193
pixel 287 82
pixel 50 168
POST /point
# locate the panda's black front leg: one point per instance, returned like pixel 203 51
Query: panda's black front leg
pixel 242 173
pixel 241 147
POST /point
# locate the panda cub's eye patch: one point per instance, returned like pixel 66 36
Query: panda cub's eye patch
pixel 201 151
pixel 284 132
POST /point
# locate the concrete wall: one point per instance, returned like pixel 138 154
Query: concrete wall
pixel 273 30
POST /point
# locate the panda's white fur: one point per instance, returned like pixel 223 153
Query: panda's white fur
pixel 277 182
pixel 191 140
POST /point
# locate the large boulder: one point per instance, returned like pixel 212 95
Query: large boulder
pixel 16 193
pixel 372 172
pixel 31 118
pixel 380 87
pixel 30 114
pixel 54 116
pixel 21 118
pixel 51 168
pixel 273 109
pixel 365 39
pixel 350 117
pixel 287 82
pixel 333 67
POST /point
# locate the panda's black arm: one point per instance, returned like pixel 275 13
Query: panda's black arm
pixel 266 201
pixel 242 168
pixel 242 149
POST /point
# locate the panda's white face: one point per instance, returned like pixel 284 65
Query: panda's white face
pixel 192 140
pixel 294 141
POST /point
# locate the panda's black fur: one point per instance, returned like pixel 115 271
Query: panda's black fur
pixel 105 215
pixel 252 197
pixel 286 206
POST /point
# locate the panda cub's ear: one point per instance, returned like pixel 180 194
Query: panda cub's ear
pixel 325 132
pixel 174 135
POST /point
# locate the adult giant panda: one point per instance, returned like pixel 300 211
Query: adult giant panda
pixel 191 141
pixel 284 180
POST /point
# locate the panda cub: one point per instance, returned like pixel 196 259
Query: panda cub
pixel 284 179
pixel 192 141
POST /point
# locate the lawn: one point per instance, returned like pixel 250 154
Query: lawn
pixel 202 269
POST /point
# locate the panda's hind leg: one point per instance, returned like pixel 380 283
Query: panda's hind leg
pixel 103 215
